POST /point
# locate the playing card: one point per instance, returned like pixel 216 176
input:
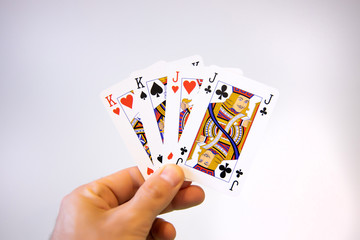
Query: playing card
pixel 151 93
pixel 120 103
pixel 183 87
pixel 209 120
pixel 224 129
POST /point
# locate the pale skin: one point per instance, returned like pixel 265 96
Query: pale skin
pixel 184 105
pixel 241 103
pixel 124 206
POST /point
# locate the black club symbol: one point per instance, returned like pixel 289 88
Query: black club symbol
pixel 222 92
pixel 263 111
pixel 239 173
pixel 224 169
pixel 183 150
pixel 208 89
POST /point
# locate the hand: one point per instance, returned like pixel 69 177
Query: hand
pixel 201 139
pixel 124 206
pixel 246 123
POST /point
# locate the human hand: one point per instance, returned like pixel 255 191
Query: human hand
pixel 124 206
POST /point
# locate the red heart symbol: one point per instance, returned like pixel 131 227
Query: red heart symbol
pixel 116 111
pixel 127 101
pixel 149 171
pixel 175 88
pixel 170 156
pixel 189 86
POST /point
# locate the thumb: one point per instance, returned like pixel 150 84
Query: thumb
pixel 157 192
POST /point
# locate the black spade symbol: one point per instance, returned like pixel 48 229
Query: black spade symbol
pixel 156 90
pixel 143 95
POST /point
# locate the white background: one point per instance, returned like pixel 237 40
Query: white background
pixel 56 57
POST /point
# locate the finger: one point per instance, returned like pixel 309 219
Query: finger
pixel 157 192
pixel 186 198
pixel 162 230
pixel 186 184
pixel 116 188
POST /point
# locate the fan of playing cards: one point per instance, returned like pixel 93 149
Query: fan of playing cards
pixel 207 119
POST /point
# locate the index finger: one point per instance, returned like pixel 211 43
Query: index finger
pixel 123 184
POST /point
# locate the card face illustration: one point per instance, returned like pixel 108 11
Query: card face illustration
pixel 189 88
pixel 224 129
pixel 126 102
pixel 157 94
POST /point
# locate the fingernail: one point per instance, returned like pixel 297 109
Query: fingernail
pixel 171 175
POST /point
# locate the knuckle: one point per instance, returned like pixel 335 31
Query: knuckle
pixel 155 191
